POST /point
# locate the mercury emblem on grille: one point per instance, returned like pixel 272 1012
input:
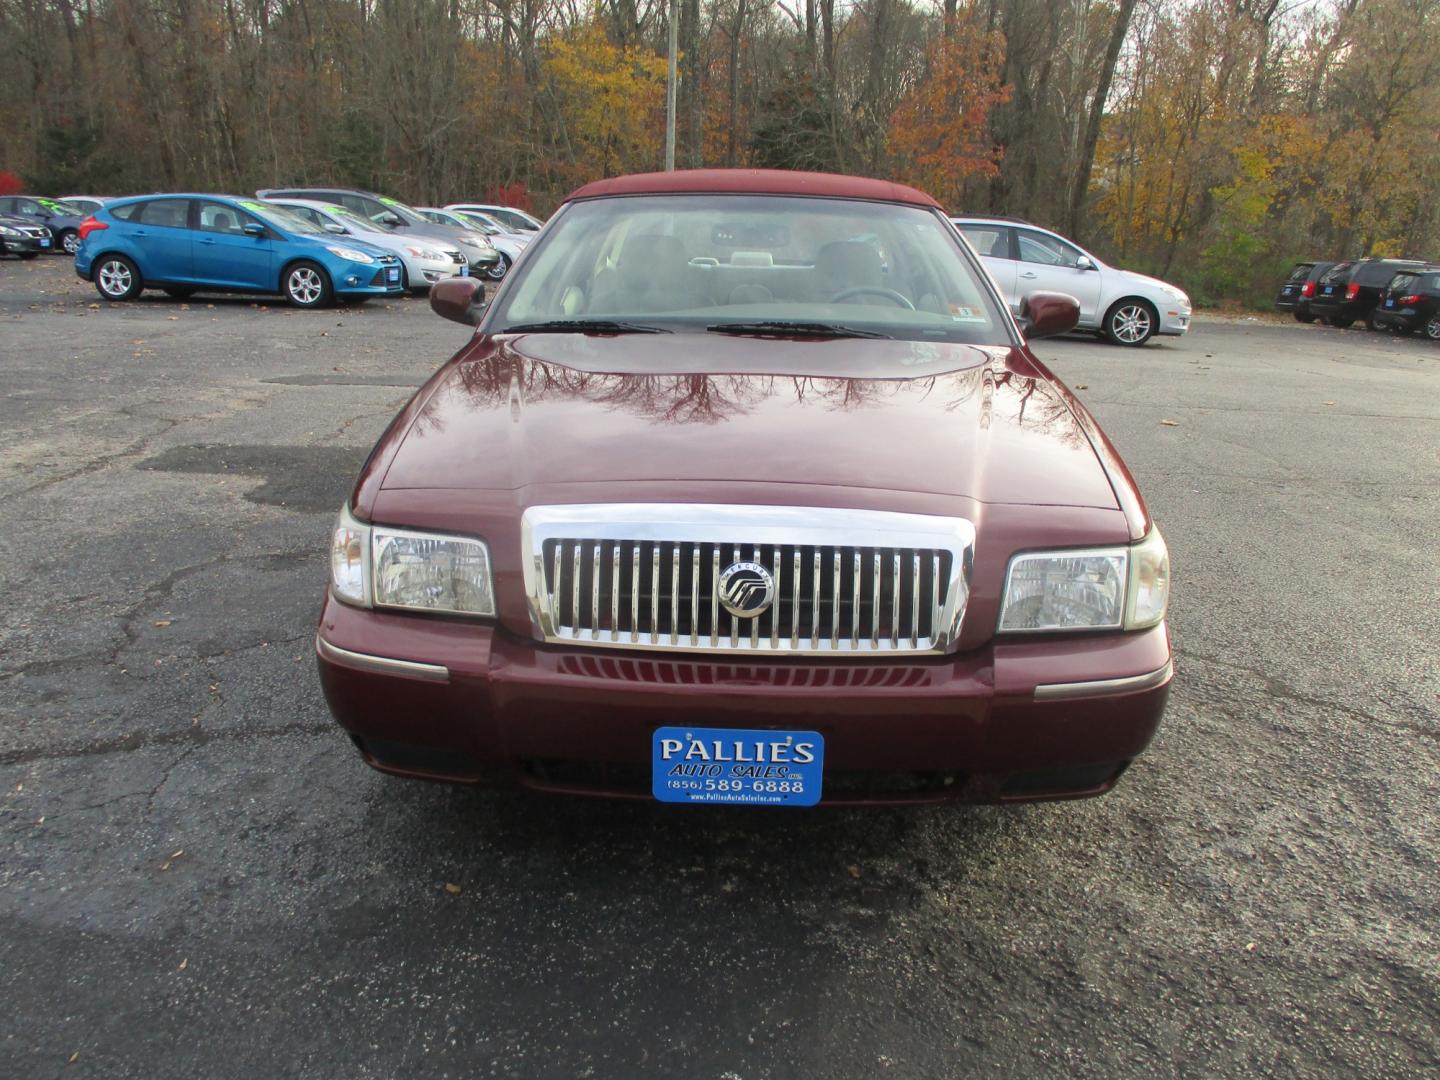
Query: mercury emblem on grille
pixel 746 589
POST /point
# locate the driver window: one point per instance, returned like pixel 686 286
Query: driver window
pixel 1047 250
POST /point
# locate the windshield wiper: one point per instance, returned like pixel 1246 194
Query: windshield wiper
pixel 794 329
pixel 583 326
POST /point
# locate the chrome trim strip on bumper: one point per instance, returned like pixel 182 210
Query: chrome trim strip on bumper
pixel 382 665
pixel 1103 687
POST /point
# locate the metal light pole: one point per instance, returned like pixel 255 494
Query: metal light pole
pixel 670 87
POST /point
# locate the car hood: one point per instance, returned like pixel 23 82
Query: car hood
pixel 536 409
pixel 1163 287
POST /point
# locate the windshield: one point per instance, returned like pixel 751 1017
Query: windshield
pixel 349 218
pixel 409 213
pixel 690 262
pixel 516 219
pixel 281 218
pixel 479 222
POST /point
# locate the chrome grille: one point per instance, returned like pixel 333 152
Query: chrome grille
pixel 845 581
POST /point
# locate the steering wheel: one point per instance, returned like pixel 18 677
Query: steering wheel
pixel 874 290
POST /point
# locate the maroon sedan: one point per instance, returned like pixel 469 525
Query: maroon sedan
pixel 748 489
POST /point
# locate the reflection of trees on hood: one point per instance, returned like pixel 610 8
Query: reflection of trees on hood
pixel 505 382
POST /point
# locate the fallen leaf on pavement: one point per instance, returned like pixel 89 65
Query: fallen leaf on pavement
pixel 1169 423
pixel 452 889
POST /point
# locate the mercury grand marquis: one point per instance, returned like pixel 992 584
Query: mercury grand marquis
pixel 747 488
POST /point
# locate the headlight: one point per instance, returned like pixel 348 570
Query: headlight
pixel 376 566
pixel 428 254
pixel 349 253
pixel 1095 589
pixel 5 230
pixel 476 242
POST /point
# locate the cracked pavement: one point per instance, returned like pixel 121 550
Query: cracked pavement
pixel 199 877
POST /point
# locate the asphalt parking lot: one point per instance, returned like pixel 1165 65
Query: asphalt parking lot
pixel 198 877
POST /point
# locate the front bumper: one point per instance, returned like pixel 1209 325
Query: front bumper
pixel 368 279
pixel 426 272
pixel 1174 320
pixel 26 244
pixel 468 702
pixel 480 258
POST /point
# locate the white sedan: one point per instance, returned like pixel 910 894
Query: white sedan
pixel 1125 307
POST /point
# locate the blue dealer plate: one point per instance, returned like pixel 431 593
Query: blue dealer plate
pixel 734 765
pixel 392 273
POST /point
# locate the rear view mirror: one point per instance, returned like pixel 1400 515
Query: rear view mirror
pixel 252 229
pixel 1045 314
pixel 459 299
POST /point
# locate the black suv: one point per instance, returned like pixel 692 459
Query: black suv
pixel 1411 302
pixel 1299 287
pixel 1349 291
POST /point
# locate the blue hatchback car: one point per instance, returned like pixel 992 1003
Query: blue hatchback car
pixel 183 244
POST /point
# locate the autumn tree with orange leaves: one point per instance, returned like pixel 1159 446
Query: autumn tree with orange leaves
pixel 940 134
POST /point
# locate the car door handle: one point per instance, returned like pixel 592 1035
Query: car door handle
pixel 1029 274
pixel 206 240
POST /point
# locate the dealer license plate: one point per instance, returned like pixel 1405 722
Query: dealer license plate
pixel 1288 289
pixel 464 270
pixel 734 765
pixel 45 242
pixel 392 274
pixel 1390 303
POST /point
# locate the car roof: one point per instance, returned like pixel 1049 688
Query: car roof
pixel 266 192
pixel 991 219
pixel 754 182
pixel 318 204
pixel 185 195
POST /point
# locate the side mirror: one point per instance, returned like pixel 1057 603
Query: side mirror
pixel 1045 314
pixel 336 228
pixel 1084 263
pixel 395 221
pixel 462 300
pixel 252 229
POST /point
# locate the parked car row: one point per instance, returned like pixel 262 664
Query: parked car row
pixel 58 218
pixel 314 246
pixel 1399 295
